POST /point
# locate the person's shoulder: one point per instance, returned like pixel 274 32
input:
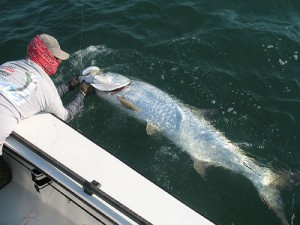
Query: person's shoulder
pixel 28 65
pixel 22 66
pixel 13 62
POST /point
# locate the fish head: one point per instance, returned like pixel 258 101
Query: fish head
pixel 91 71
pixel 90 74
pixel 103 81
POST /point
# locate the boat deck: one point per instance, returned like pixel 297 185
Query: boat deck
pixel 124 197
pixel 22 204
pixel 22 207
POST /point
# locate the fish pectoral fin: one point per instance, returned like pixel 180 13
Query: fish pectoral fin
pixel 200 167
pixel 152 129
pixel 128 104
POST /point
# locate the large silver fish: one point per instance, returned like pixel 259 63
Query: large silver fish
pixel 195 135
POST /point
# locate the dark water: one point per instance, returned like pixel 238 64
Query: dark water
pixel 240 57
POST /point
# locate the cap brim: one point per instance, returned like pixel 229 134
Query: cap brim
pixel 61 55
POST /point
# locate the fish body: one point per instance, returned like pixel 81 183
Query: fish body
pixel 194 134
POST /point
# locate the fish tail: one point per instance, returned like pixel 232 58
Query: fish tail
pixel 288 179
pixel 269 190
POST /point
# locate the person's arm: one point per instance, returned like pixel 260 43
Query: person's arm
pixel 62 90
pixel 65 88
pixel 75 106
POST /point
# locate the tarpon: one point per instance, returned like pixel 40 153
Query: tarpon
pixel 193 133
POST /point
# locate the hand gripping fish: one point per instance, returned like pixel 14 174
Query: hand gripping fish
pixel 195 135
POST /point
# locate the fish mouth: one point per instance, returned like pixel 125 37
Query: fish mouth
pixel 118 90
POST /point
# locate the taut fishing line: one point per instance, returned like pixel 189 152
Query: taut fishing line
pixel 81 35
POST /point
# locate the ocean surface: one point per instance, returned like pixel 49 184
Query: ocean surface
pixel 239 58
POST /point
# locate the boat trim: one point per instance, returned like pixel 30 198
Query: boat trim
pixel 15 156
pixel 83 182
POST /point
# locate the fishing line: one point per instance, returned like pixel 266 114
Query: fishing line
pixel 293 210
pixel 81 34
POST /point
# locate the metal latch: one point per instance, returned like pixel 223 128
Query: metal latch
pixel 89 187
pixel 40 179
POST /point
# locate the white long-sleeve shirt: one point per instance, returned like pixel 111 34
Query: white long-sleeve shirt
pixel 29 89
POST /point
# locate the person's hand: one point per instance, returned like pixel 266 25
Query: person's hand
pixel 86 89
pixel 73 83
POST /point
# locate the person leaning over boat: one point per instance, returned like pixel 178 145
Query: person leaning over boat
pixel 26 89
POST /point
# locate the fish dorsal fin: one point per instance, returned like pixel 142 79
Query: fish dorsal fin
pixel 208 114
pixel 152 129
pixel 128 104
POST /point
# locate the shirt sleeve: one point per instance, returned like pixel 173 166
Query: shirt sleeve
pixel 62 90
pixel 57 109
